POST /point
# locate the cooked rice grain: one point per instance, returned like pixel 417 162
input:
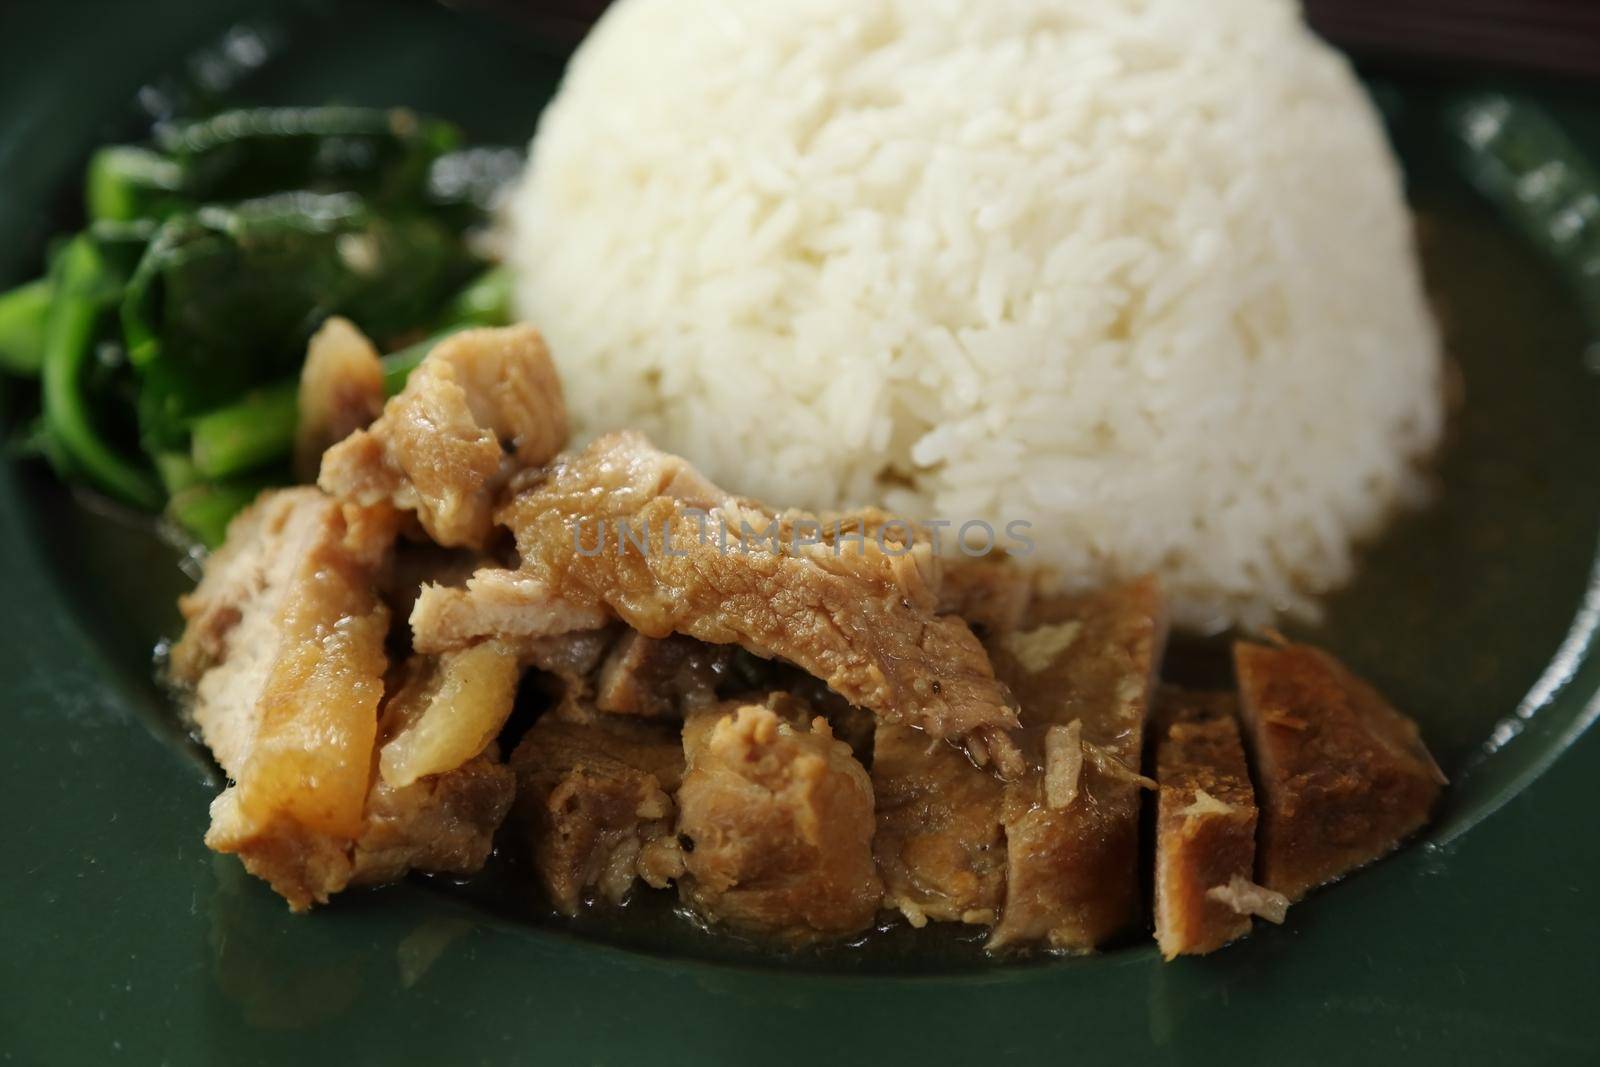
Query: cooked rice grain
pixel 1136 271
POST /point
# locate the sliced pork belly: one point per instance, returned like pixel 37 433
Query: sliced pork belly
pixel 1205 823
pixel 284 644
pixel 443 824
pixel 483 404
pixel 1082 671
pixel 1344 777
pixel 285 649
pixel 777 821
pixel 595 800
pixel 865 624
pixel 940 844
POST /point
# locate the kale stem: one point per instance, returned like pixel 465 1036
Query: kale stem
pixel 24 316
pixel 85 287
pixel 247 434
pixel 205 510
pixel 259 429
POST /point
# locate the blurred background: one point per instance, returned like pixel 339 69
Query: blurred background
pixel 1560 37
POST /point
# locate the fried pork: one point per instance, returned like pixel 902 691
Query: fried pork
pixel 1344 777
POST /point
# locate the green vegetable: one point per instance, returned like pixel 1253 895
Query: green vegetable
pixel 168 337
pixel 247 434
pixel 176 471
pixel 225 299
pixel 127 183
pixel 486 302
pixel 205 510
pixel 24 314
pixel 384 155
pixel 465 184
pixel 260 428
pixel 87 282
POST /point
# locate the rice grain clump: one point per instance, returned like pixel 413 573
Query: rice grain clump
pixel 1138 272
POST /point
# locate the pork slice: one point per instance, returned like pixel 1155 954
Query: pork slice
pixel 940 845
pixel 1344 777
pixel 865 626
pixel 991 594
pixel 284 645
pixel 496 603
pixel 341 391
pixel 419 564
pixel 1205 821
pixel 482 405
pixel 777 822
pixel 442 824
pixel 1082 671
pixel 659 677
pixel 595 802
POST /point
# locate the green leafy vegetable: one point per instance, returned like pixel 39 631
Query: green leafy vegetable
pixel 259 429
pixel 126 182
pixel 254 431
pixel 24 315
pixel 236 155
pixel 206 509
pixel 88 281
pixel 225 299
pixel 167 338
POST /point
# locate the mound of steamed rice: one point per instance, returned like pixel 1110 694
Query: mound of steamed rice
pixel 1138 272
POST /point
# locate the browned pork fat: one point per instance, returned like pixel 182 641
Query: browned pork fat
pixel 341 391
pixel 1082 671
pixel 777 822
pixel 484 404
pixel 1344 777
pixel 864 622
pixel 1205 823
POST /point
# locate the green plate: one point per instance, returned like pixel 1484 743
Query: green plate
pixel 122 937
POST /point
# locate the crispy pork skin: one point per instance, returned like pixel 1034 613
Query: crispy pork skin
pixel 777 822
pixel 1344 777
pixel 483 404
pixel 940 844
pixel 595 800
pixel 1205 821
pixel 1082 670
pixel 865 623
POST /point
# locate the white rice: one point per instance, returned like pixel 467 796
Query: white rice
pixel 1136 271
